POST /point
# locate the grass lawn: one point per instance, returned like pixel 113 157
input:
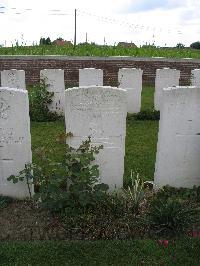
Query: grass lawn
pixel 147 98
pixel 141 141
pixel 139 252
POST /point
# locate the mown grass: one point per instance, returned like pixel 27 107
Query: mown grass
pixel 139 252
pixel 147 98
pixel 141 141
pixel 100 50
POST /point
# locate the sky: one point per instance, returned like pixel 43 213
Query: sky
pixel 162 22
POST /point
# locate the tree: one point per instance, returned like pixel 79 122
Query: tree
pixel 180 46
pixel 195 45
pixel 48 41
pixel 44 41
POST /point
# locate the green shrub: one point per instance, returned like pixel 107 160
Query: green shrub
pixel 72 183
pixel 180 45
pixel 171 217
pixel 149 114
pixel 192 194
pixel 39 99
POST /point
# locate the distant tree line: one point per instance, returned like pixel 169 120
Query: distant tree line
pixel 59 41
pixel 194 45
pixel 45 41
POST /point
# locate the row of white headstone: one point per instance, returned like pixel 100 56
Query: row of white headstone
pixel 100 112
pixel 128 78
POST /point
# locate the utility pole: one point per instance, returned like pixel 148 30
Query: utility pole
pixel 75 28
pixel 86 37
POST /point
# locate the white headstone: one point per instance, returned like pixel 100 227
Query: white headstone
pixel 54 79
pixel 99 112
pixel 90 77
pixel 165 78
pixel 131 80
pixel 178 148
pixel 13 78
pixel 15 140
pixel 195 77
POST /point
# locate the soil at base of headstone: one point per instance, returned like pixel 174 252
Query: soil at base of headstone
pixel 24 221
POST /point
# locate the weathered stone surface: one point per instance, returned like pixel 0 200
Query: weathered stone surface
pixel 15 140
pixel 54 79
pixel 99 112
pixel 13 78
pixel 178 148
pixel 195 77
pixel 90 77
pixel 165 78
pixel 131 80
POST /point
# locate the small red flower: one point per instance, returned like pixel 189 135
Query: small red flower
pixel 164 242
pixel 195 233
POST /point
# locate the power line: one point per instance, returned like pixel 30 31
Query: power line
pixel 56 12
pixel 65 12
pixel 126 24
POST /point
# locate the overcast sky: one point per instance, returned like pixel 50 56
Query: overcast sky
pixel 164 22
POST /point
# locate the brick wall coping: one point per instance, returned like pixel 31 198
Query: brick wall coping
pixel 98 58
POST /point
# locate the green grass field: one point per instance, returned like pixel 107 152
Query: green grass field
pixel 139 252
pixel 141 141
pixel 100 50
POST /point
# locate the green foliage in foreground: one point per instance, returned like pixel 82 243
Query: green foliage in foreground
pixel 177 193
pixel 171 217
pixel 100 50
pixel 140 252
pixel 70 183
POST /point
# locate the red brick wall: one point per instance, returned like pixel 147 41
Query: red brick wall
pixel 33 64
